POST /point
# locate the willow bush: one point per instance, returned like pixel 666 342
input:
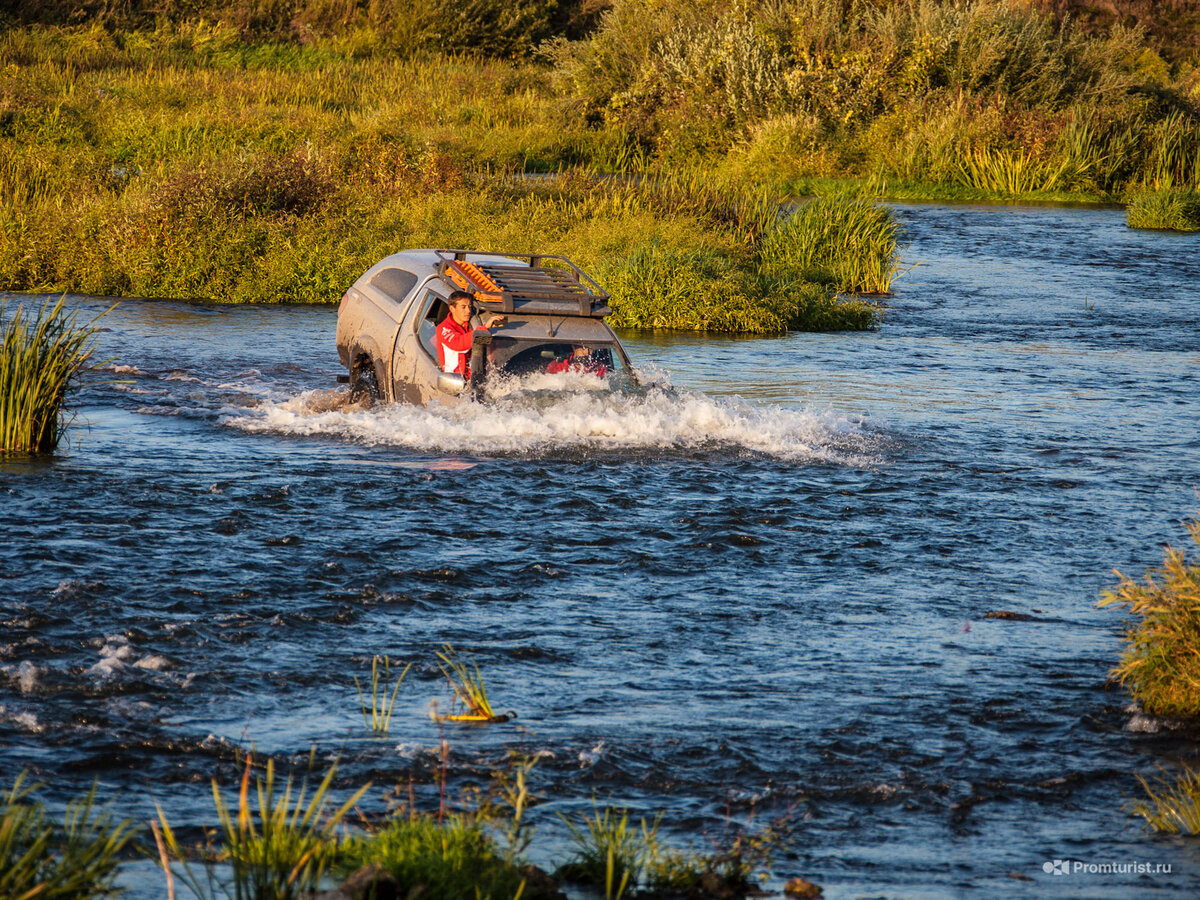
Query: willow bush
pixel 41 359
pixel 1161 664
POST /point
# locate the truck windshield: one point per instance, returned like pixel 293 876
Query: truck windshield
pixel 522 358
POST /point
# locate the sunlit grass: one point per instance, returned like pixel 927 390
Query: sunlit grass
pixel 439 860
pixel 42 859
pixel 847 242
pixel 378 716
pixel 1161 662
pixel 1166 210
pixel 466 682
pixel 608 851
pixel 1171 806
pixel 41 359
pixel 277 849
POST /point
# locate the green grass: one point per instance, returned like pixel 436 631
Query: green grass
pixel 42 356
pixel 446 860
pixel 45 860
pixel 845 242
pixel 277 849
pixel 1172 806
pixel 378 717
pixel 1167 210
pixel 608 851
pixel 1161 662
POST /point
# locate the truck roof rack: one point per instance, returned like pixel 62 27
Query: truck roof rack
pixel 545 284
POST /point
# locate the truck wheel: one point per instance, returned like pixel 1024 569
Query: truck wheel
pixel 364 385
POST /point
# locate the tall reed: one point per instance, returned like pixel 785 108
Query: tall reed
pixel 379 717
pixel 41 359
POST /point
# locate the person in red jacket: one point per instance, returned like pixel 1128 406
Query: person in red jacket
pixel 580 360
pixel 454 334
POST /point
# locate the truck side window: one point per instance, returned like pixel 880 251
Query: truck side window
pixel 433 310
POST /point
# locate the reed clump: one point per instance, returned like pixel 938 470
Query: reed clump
pixel 278 848
pixel 1172 805
pixel 848 243
pixel 1165 210
pixel 1161 662
pixel 466 683
pixel 378 716
pixel 608 851
pixel 40 858
pixel 441 860
pixel 42 356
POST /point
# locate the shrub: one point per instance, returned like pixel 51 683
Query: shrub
pixel 1161 663
pixel 1167 210
pixel 41 359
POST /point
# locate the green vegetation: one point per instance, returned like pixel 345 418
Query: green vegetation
pixel 990 96
pixel 275 151
pixel 438 860
pixel 44 860
pixel 278 850
pixel 607 851
pixel 1173 806
pixel 1161 665
pixel 379 717
pixel 1165 209
pixel 41 359
pixel 470 693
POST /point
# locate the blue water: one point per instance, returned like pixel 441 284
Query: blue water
pixel 753 593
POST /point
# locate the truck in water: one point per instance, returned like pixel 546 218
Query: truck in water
pixel 553 323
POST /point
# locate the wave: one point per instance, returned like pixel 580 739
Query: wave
pixel 552 415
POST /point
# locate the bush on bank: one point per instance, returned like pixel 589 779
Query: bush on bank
pixel 1161 662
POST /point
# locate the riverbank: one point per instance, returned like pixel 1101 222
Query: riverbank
pixel 194 161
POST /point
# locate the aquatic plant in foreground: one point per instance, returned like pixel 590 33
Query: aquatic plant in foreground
pixel 278 851
pixel 1161 663
pixel 1174 806
pixel 40 859
pixel 41 358
pixel 607 851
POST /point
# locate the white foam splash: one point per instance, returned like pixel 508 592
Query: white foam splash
pixel 542 417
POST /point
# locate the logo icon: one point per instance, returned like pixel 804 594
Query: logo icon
pixel 1057 867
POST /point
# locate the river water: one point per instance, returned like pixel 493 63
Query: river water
pixel 756 592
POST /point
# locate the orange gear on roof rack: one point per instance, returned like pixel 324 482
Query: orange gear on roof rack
pixel 469 277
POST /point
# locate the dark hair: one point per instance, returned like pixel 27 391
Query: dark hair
pixel 455 296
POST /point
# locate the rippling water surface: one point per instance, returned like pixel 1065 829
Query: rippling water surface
pixel 756 590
